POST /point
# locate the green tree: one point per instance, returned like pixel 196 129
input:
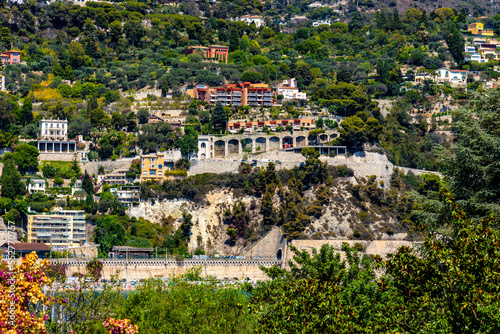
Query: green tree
pixel 143 116
pixel 108 233
pixel 87 184
pixel 267 209
pixel 26 157
pixel 356 22
pixel 27 112
pixel 251 76
pixel 75 166
pixel 115 31
pixel 134 31
pixel 234 39
pixel 76 54
pixel 470 167
pixel 219 118
pixel 456 45
pixel 11 180
pixel 321 293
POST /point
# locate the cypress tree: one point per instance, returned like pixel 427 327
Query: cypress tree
pixel 75 166
pixel 87 184
pixel 456 45
pixel 234 39
pixel 27 112
pixel 11 180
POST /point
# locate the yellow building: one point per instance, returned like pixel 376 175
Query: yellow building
pixel 61 228
pixel 477 28
pixel 157 166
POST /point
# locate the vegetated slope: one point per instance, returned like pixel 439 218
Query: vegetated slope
pixel 474 8
pixel 232 211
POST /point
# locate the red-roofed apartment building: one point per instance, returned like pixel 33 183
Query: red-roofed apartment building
pixel 241 94
pixel 212 52
pixel 11 57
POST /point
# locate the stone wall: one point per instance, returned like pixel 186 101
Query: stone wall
pixel 92 167
pixel 272 246
pixel 218 167
pixel 144 269
pixel 56 156
pixel 380 247
pixel 366 164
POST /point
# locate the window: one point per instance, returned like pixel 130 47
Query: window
pixel 143 165
pixel 153 166
pixel 152 172
pixel 143 160
pixel 145 173
pixel 160 173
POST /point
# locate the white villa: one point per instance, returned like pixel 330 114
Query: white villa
pixel 249 19
pixel 290 91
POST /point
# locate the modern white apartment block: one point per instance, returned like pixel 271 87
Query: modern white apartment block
pixel 117 177
pixel 59 228
pixel 128 195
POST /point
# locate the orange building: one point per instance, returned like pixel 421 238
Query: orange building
pixel 212 52
pixel 241 94
pixel 11 57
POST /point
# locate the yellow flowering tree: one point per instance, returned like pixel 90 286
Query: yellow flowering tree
pixel 115 326
pixel 21 296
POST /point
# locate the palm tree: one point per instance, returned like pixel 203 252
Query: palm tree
pixel 134 140
pixel 114 137
pixel 94 134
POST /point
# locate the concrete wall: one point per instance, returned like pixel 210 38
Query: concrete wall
pixel 92 167
pixel 143 269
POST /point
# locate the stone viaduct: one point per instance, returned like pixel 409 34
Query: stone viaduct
pixel 213 147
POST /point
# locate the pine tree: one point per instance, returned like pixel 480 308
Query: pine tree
pixel 423 19
pixel 356 22
pixel 396 21
pixel 462 18
pixel 267 209
pixel 219 118
pixel 87 184
pixel 381 20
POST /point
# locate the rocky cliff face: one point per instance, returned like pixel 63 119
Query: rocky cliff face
pixel 209 231
pixel 341 218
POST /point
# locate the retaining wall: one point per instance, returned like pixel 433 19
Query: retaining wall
pixel 92 167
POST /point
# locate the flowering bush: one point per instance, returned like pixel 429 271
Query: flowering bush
pixel 20 292
pixel 115 326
